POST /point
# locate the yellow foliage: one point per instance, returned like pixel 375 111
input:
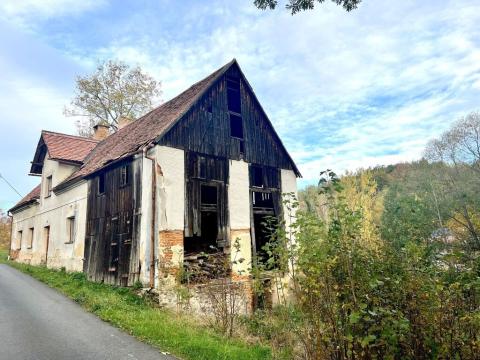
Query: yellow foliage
pixel 457 223
pixel 360 191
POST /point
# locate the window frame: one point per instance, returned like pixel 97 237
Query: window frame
pixel 31 232
pixel 48 186
pixel 255 169
pixel 19 239
pixel 124 177
pixel 236 118
pixel 71 229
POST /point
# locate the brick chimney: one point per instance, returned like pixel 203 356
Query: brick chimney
pixel 101 131
pixel 123 121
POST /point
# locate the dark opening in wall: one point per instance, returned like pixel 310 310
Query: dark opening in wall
pixel 209 196
pixel 263 200
pixel 262 298
pixel 101 183
pixel 236 126
pixel 125 175
pixel 265 225
pixel 207 242
pixel 233 94
pixel 257 175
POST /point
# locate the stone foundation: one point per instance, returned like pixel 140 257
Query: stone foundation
pixel 14 254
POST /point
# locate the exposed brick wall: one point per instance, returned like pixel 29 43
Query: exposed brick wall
pixel 170 243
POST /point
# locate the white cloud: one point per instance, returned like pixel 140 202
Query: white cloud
pixel 26 12
pixel 344 90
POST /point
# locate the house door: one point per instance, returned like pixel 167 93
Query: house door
pixel 46 237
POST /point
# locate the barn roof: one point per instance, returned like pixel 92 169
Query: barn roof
pixel 134 136
pixel 31 197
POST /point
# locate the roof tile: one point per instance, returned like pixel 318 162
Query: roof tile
pixel 68 147
pixel 31 196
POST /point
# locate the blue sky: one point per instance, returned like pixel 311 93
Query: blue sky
pixel 344 90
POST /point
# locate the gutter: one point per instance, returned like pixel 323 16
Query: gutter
pixel 154 214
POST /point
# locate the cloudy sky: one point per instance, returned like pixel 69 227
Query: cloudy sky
pixel 344 90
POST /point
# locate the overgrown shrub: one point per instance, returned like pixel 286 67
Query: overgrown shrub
pixel 357 296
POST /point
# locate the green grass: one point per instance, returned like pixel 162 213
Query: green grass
pixel 125 310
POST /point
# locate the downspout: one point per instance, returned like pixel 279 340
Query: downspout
pixel 154 215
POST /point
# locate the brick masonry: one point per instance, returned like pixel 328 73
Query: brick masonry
pixel 170 243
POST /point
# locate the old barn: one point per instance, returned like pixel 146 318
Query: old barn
pixel 187 179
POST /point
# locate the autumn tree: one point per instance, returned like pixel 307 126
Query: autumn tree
pixel 458 149
pixel 4 230
pixel 360 189
pixel 296 6
pixel 113 91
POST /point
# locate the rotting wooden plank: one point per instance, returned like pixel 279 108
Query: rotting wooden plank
pixel 111 254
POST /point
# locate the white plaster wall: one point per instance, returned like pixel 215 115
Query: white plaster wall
pixel 289 185
pixel 23 221
pixel 53 211
pixel 239 195
pixel 59 172
pixel 239 213
pixel 171 185
pixel 146 219
pixel 170 202
pixel 171 197
pixel 283 289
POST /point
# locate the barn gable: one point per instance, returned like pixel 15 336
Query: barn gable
pixel 228 121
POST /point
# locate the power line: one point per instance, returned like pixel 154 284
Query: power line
pixel 1 177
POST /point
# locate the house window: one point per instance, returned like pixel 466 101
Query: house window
pixel 48 186
pixel 19 239
pixel 236 126
pixel 70 229
pixel 101 184
pixel 30 237
pixel 124 175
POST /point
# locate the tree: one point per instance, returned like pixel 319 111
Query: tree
pixel 296 6
pixel 411 207
pixel 4 230
pixel 361 191
pixel 459 150
pixel 113 91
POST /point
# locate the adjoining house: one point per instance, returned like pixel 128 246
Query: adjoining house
pixel 190 177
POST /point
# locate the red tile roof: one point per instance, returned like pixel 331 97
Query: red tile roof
pixel 30 197
pixel 68 147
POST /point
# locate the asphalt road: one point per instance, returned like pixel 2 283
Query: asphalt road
pixel 38 323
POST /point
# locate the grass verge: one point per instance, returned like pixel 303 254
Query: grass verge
pixel 125 310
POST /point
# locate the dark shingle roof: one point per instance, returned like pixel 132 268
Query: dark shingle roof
pixel 146 129
pixel 29 198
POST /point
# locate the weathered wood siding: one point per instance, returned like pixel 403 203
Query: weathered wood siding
pixel 212 171
pixel 206 129
pixel 113 225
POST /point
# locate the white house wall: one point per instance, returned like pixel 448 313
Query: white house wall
pixel 53 211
